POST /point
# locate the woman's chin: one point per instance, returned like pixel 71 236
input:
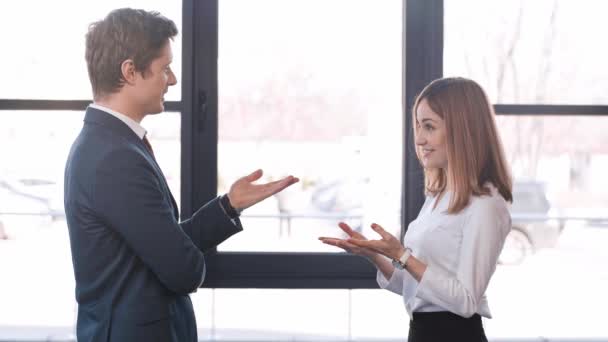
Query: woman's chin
pixel 430 166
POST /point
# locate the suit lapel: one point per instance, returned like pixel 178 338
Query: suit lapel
pixel 164 183
pixel 97 116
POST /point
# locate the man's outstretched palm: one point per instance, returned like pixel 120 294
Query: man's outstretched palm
pixel 243 193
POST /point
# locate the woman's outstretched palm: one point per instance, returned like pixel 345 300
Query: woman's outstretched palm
pixel 347 246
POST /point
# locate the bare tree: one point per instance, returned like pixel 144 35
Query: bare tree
pixel 526 135
pixel 294 107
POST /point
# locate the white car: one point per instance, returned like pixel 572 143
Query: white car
pixel 28 204
pixel 534 223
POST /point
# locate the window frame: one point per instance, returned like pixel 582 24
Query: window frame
pixel 423 37
pixel 422 45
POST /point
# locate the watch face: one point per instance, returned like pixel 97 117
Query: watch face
pixel 396 264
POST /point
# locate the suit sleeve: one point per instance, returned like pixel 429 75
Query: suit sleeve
pixel 130 200
pixel 210 226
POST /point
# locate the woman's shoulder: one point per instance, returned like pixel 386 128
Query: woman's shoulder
pixel 493 201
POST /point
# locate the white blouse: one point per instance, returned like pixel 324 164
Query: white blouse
pixel 460 251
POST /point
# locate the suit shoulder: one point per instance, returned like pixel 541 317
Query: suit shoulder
pixel 104 144
pixel 99 152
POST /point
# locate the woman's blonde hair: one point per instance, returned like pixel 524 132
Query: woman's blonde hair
pixel 474 150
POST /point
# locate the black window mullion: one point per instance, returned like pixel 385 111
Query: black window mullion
pixel 31 104
pixel 423 51
pixel 187 129
pixel 289 270
pixel 537 109
pixel 204 124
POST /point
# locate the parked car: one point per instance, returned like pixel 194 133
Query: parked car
pixel 28 203
pixel 341 198
pixel 534 221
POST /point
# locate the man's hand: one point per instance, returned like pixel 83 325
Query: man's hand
pixel 243 193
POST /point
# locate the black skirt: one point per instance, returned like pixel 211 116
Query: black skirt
pixel 445 326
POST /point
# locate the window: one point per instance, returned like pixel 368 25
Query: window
pixel 47 62
pixel 558 164
pixel 274 101
pixel 523 52
pixel 306 101
pixel 543 68
pixel 321 90
pixel 43 95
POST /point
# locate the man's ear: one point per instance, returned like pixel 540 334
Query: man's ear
pixel 127 68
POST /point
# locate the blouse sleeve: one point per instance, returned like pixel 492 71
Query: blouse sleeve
pixel 485 230
pixel 401 283
pixel 394 284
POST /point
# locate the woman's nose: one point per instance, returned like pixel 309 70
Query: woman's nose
pixel 420 140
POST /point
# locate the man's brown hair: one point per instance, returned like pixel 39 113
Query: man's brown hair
pixel 123 34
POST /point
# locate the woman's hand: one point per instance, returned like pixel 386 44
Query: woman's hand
pixel 388 246
pixel 348 246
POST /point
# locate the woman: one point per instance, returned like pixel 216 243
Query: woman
pixel 450 251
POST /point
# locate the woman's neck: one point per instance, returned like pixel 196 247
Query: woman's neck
pixel 448 180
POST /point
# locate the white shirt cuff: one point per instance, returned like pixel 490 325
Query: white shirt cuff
pixel 395 284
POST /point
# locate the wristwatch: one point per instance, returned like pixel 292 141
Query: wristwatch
pixel 401 262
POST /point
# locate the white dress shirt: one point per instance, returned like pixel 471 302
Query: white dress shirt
pixel 133 125
pixel 460 250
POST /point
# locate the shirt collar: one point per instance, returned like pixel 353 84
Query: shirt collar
pixel 133 125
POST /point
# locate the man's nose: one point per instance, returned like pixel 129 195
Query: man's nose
pixel 172 79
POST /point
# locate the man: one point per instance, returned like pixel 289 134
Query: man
pixel 134 262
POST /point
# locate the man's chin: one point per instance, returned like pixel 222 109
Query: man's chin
pixel 157 110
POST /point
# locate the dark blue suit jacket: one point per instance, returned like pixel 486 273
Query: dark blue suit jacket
pixel 134 262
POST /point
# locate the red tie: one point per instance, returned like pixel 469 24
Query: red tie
pixel 147 143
